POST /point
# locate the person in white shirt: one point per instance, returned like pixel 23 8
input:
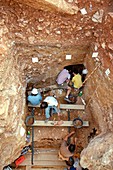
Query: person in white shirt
pixel 50 103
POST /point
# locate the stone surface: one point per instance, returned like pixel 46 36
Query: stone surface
pixel 48 5
pixel 110 46
pixel 97 17
pixel 99 153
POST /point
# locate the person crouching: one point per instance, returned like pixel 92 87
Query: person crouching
pixel 50 103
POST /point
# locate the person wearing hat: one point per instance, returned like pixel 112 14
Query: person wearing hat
pixel 84 73
pixel 35 97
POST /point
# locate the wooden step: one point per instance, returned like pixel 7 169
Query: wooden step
pixel 72 106
pixel 40 168
pixel 65 106
pixel 51 123
pixel 44 159
pixel 43 163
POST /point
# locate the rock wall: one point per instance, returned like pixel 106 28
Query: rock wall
pixel 99 90
pixel 29 34
pixel 12 100
pixel 68 7
pixel 100 152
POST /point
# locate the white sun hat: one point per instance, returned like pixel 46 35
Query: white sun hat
pixel 85 71
pixel 34 91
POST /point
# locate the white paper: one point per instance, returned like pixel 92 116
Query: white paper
pixel 83 11
pixel 107 72
pixel 95 54
pixel 68 57
pixel 35 60
pixel 22 131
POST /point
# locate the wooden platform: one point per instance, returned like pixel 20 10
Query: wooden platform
pixel 51 123
pixel 65 106
pixel 46 158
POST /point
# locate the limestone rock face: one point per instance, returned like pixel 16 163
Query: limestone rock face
pixel 97 17
pixel 69 7
pixel 99 153
pixel 12 128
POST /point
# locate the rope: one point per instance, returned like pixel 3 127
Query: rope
pixel 91 73
pixel 92 95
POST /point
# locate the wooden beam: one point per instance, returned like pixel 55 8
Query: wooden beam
pixel 51 123
pixel 28 167
pixel 65 106
pixel 48 88
pixel 43 163
pixel 72 106
pixel 43 160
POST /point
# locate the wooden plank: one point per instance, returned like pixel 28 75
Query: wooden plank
pixel 51 168
pixel 65 106
pixel 43 163
pixel 72 106
pixel 51 123
pixel 48 168
pixel 35 167
pixel 28 167
pixel 43 156
pixel 51 87
pixel 48 88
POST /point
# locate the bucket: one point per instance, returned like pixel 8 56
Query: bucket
pixel 77 123
pixel 29 120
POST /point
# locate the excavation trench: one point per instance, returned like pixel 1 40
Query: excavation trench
pixel 51 137
pixel 36 44
pixel 39 76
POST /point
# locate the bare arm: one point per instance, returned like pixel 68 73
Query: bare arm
pixel 58 107
pixel 69 135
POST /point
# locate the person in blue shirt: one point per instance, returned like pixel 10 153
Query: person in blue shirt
pixel 35 97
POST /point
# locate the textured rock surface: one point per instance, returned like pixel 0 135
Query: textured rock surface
pixel 100 151
pixel 28 32
pixel 12 97
pixel 69 7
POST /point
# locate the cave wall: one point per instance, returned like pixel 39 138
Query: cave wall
pixel 12 101
pixel 98 91
pixel 48 36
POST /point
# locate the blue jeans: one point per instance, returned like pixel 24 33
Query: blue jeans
pixel 47 111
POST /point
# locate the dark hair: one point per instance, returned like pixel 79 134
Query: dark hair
pixel 70 162
pixel 71 148
pixel 33 94
pixel 43 105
